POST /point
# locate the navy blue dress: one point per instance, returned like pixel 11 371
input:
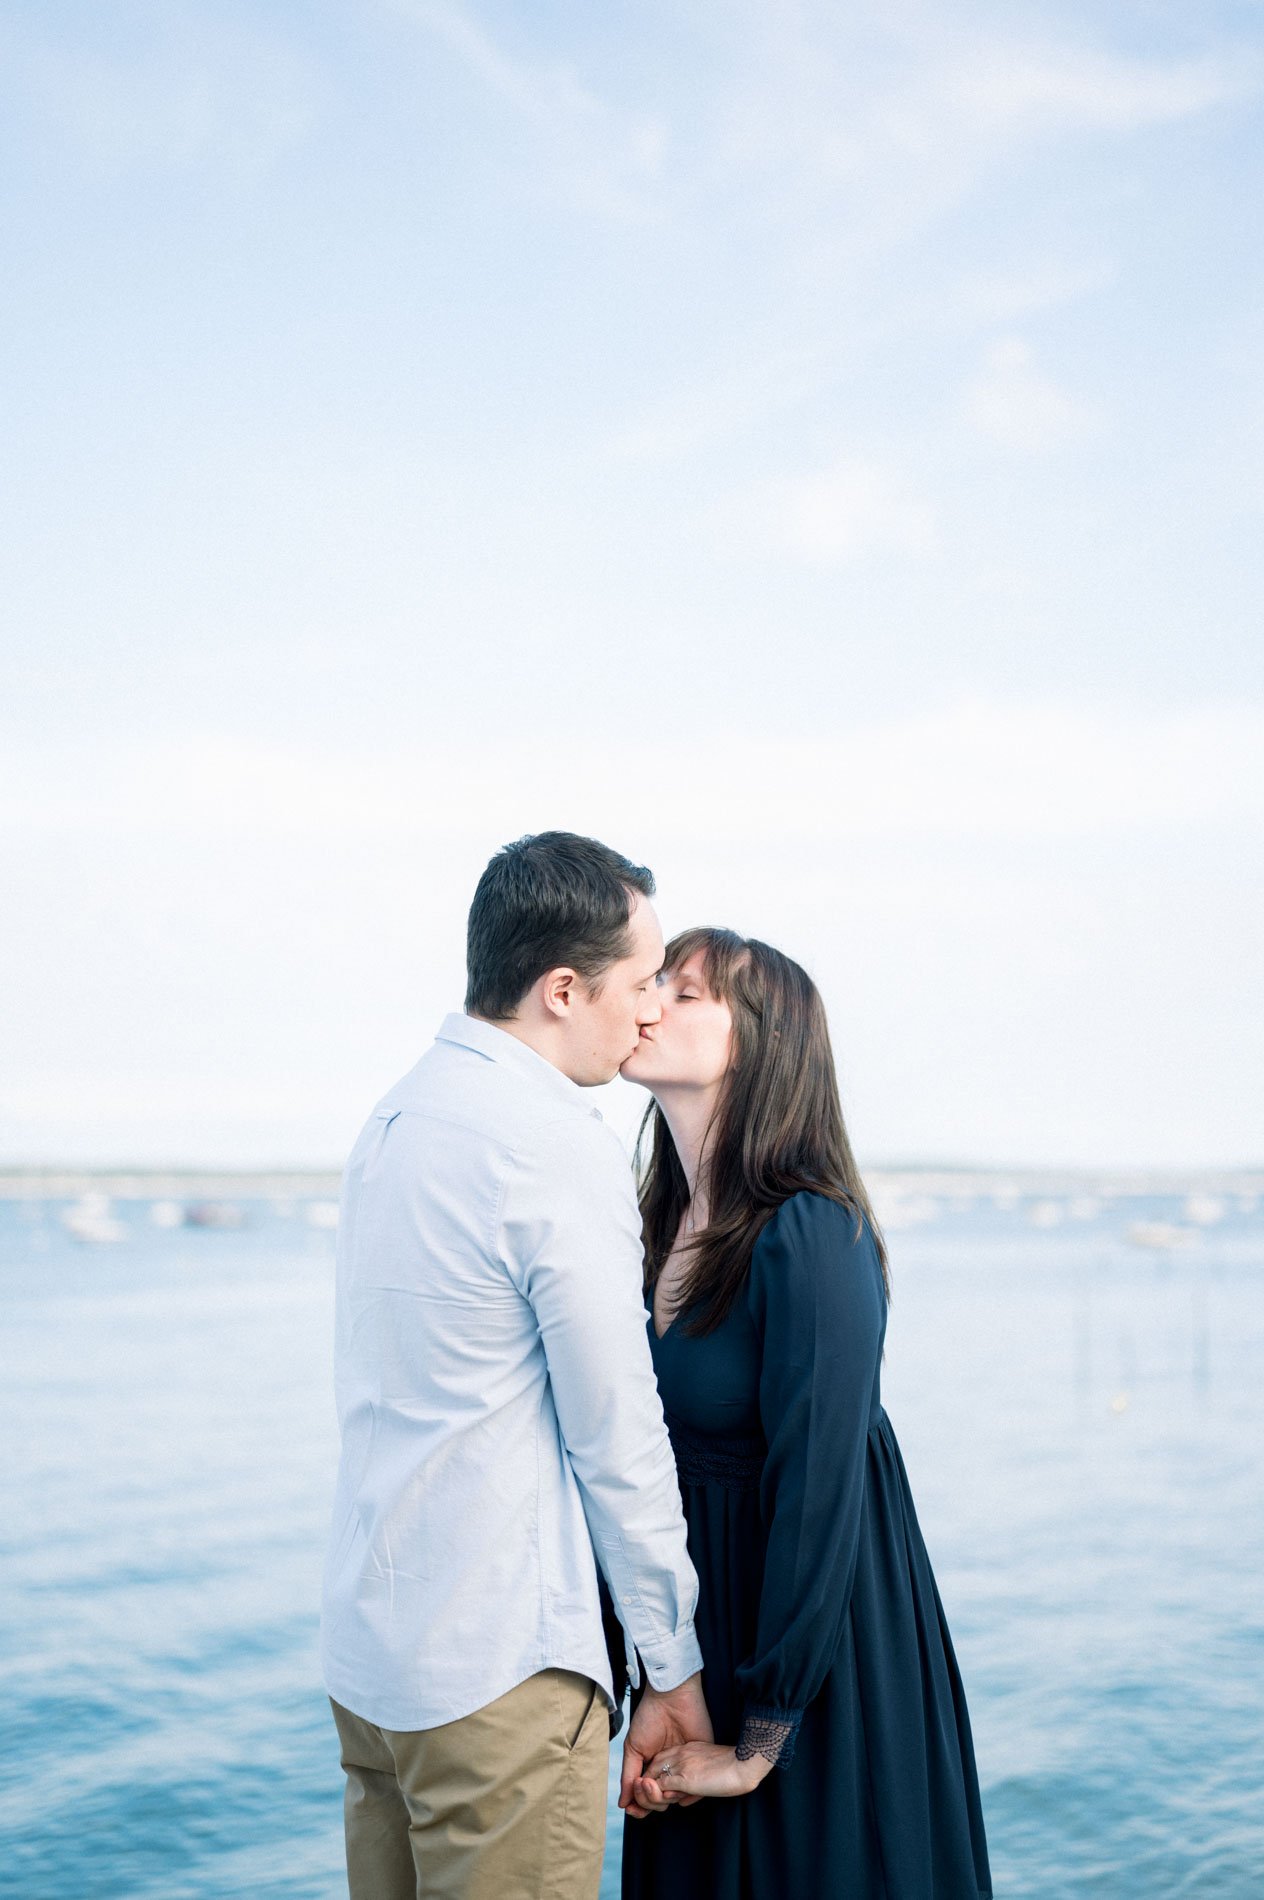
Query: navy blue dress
pixel 822 1633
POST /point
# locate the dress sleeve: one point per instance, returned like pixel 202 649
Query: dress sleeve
pixel 817 1299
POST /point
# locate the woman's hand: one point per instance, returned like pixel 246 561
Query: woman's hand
pixel 679 1776
pixel 661 1720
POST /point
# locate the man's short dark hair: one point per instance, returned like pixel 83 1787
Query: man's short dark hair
pixel 548 900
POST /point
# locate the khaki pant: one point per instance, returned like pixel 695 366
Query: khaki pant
pixel 508 1803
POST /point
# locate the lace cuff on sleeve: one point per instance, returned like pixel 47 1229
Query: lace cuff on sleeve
pixel 770 1733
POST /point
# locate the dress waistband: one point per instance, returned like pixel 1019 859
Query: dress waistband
pixel 736 1463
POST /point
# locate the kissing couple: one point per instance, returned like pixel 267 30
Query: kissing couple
pixel 603 1433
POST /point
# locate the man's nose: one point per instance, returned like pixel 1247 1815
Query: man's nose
pixel 651 1009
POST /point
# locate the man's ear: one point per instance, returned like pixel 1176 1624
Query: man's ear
pixel 557 990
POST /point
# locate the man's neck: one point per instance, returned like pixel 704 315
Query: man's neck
pixel 535 1037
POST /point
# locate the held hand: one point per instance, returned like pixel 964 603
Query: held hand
pixel 662 1719
pixel 681 1775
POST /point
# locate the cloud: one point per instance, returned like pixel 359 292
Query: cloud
pixel 889 121
pixel 987 893
pixel 1027 287
pixel 844 513
pixel 1037 89
pixel 541 94
pixel 764 379
pixel 222 94
pixel 1013 404
pixel 935 111
pixel 605 155
pixel 975 770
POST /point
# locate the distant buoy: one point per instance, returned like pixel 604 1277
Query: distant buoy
pixel 213 1214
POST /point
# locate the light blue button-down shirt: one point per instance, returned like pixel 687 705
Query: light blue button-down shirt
pixel 500 1418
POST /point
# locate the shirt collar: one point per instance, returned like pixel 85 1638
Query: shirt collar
pixel 470 1032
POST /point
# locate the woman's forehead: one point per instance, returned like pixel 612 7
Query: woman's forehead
pixel 690 969
pixel 707 958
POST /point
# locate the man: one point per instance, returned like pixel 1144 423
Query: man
pixel 500 1419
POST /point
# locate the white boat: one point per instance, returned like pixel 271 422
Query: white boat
pixel 906 1210
pixel 90 1220
pixel 1162 1235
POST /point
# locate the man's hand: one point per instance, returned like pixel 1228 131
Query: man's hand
pixel 663 1718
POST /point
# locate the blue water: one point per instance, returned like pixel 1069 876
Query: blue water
pixel 1082 1420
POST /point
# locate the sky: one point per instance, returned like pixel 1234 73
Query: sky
pixel 819 451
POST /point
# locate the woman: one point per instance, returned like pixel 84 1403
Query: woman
pixel 820 1624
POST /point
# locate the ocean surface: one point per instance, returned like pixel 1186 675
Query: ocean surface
pixel 1077 1383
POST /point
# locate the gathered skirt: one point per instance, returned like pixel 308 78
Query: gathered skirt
pixel 880 1800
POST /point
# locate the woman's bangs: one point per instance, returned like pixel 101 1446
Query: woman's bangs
pixel 722 950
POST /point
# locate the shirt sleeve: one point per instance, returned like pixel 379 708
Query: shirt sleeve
pixel 570 1236
pixel 817 1298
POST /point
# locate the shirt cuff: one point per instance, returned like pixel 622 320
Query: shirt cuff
pixel 673 1660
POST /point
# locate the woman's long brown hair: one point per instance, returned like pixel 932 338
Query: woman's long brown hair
pixel 777 1129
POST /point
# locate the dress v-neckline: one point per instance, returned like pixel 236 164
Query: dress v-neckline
pixel 660 1337
pixel 676 1310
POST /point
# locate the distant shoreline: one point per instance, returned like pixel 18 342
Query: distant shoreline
pixel 141 1184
